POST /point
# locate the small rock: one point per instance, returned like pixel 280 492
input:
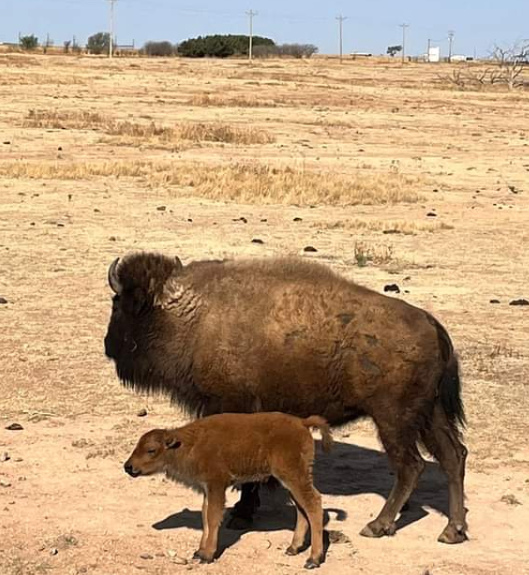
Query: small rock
pixel 392 288
pixel 142 413
pixel 393 231
pixel 3 301
pixel 242 219
pixel 59 149
pixel 4 457
pixel 7 143
pixel 431 215
pixel 298 219
pixel 310 249
pixel 264 220
pixel 161 208
pixel 112 239
pixel 146 556
pixel 54 551
pixel 519 302
pixel 70 198
pixel 97 211
pixel 5 483
pixel 14 427
pixel 257 241
pixel 190 220
pixel 495 301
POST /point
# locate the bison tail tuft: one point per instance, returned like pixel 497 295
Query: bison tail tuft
pixel 450 383
pixel 450 393
pixel 323 426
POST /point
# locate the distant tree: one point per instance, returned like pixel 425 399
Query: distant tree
pixel 99 43
pixel 220 46
pixel 163 48
pixel 392 50
pixel 29 42
pixel 511 62
pixel 66 46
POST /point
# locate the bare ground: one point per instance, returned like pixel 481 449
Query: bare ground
pixel 426 149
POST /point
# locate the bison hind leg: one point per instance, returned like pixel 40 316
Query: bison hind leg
pixel 400 443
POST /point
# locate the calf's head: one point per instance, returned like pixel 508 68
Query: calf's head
pixel 149 456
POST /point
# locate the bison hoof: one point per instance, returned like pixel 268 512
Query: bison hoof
pixel 311 564
pixel 202 557
pixel 453 534
pixel 238 523
pixel 292 551
pixel 378 529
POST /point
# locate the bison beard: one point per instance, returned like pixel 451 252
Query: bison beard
pixel 292 336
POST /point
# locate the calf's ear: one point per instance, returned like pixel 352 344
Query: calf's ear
pixel 171 441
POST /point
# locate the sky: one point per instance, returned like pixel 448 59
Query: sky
pixel 371 25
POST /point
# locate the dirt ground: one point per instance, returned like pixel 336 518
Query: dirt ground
pixel 198 159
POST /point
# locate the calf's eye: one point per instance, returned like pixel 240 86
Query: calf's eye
pixel 151 451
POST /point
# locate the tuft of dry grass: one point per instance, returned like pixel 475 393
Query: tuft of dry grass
pixel 242 182
pixel 233 101
pixel 130 132
pixel 405 227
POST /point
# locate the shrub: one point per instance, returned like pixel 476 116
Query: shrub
pixel 99 43
pixel 29 42
pixel 220 46
pixel 163 48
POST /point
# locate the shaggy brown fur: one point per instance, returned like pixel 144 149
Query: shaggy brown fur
pixel 216 452
pixel 292 336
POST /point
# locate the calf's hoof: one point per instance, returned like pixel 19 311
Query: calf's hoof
pixel 202 557
pixel 311 564
pixel 292 551
pixel 378 529
pixel 453 534
pixel 239 523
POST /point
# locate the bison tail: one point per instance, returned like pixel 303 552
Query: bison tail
pixel 450 384
pixel 323 426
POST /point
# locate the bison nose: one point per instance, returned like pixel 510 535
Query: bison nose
pixel 129 469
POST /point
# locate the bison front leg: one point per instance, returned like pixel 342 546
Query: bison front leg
pixel 242 514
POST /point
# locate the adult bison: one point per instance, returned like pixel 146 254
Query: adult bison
pixel 292 336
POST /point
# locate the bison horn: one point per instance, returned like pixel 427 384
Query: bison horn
pixel 113 279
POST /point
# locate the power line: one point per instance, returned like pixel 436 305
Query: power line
pixel 251 15
pixel 111 39
pixel 341 19
pixel 404 27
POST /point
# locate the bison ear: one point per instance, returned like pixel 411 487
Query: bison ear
pixel 172 441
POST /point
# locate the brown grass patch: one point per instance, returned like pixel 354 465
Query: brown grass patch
pixel 405 227
pixel 231 101
pixel 130 131
pixel 242 182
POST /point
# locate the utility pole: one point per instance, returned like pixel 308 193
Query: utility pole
pixel 111 40
pixel 251 15
pixel 428 52
pixel 451 35
pixel 341 19
pixel 404 27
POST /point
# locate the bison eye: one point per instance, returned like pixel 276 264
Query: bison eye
pixel 151 451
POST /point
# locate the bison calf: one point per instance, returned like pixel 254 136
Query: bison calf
pixel 215 452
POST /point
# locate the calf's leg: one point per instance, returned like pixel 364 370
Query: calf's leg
pixel 205 529
pixel 302 526
pixel 216 498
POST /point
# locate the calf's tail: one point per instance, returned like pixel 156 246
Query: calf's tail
pixel 323 426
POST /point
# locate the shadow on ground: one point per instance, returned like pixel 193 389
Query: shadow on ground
pixel 348 470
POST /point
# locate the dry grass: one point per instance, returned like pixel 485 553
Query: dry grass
pixel 242 182
pixel 404 227
pixel 130 131
pixel 209 100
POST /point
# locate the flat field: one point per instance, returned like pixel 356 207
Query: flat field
pixel 391 173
